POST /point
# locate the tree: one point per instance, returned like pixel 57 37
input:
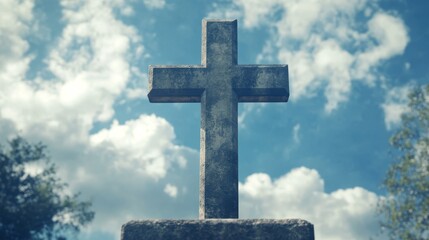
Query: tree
pixel 405 211
pixel 35 205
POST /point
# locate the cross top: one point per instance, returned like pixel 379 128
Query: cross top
pixel 219 83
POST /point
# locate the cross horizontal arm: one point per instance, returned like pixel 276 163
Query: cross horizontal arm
pixel 183 83
pixel 262 83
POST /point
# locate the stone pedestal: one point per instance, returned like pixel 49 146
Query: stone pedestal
pixel 289 229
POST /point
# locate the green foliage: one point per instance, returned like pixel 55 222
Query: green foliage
pixel 406 209
pixel 35 206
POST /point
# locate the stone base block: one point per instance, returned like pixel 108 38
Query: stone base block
pixel 288 229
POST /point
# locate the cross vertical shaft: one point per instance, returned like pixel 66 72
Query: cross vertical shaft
pixel 219 136
pixel 219 156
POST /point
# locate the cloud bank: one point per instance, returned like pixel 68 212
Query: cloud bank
pixel 342 214
pixel 327 44
pixel 395 104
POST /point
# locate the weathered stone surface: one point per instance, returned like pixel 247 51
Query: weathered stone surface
pixel 219 84
pixel 292 229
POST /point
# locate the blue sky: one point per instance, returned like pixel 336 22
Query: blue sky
pixel 73 74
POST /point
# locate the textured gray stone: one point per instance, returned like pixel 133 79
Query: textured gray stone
pixel 219 83
pixel 291 229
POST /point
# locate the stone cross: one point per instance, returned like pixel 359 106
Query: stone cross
pixel 219 83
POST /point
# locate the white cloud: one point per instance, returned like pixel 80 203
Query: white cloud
pixel 246 109
pixel 390 35
pixel 129 164
pixel 395 104
pixel 407 66
pixel 296 137
pixel 154 4
pixel 342 214
pixel 223 10
pixel 34 168
pixel 143 145
pixel 327 44
pixel 14 25
pixel 171 190
pixel 90 61
pixel 421 157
